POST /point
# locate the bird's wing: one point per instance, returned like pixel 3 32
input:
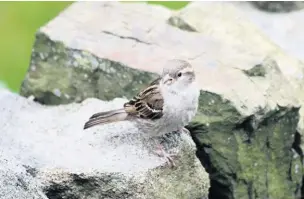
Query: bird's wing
pixel 148 104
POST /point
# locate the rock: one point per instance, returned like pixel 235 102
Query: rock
pixel 248 132
pixel 284 29
pixel 258 155
pixel 278 6
pixel 45 153
pixel 15 181
pixel 76 62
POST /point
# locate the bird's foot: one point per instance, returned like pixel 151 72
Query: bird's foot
pixel 169 156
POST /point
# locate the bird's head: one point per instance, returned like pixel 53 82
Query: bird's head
pixel 177 75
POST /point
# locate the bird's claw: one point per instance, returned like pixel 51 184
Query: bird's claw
pixel 169 156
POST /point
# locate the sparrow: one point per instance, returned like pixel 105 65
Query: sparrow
pixel 168 104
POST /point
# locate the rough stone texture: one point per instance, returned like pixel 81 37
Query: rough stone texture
pixel 15 181
pixel 46 154
pixel 251 89
pixel 278 6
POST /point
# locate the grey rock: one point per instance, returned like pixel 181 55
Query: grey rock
pixel 243 154
pixel 249 120
pixel 284 29
pixel 15 181
pixel 45 153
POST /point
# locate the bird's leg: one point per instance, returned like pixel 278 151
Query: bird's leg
pixel 162 153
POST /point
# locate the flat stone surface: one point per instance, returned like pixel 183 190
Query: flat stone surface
pixel 51 142
pixel 284 29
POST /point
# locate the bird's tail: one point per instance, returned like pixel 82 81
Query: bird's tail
pixel 106 117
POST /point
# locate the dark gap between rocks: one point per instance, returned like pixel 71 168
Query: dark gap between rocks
pixel 57 191
pixel 202 154
pixel 296 145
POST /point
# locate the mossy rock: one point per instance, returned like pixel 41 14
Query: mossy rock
pixel 247 127
pixel 60 75
pixel 252 157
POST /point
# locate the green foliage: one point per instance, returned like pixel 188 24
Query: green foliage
pixel 19 22
pixel 174 5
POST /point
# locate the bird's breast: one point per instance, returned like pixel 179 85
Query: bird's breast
pixel 180 109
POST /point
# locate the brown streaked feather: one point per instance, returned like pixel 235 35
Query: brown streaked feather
pixel 106 117
pixel 148 104
pixel 103 113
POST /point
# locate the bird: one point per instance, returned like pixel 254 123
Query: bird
pixel 166 105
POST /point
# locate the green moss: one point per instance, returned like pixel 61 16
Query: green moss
pixel 181 24
pixel 257 70
pixel 59 75
pixel 248 157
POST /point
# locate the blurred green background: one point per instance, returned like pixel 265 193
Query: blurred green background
pixel 19 21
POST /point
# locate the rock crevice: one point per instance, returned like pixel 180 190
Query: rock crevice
pixel 123 37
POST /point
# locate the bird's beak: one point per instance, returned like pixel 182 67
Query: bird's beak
pixel 168 80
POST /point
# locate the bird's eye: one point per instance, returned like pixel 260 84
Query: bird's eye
pixel 179 74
